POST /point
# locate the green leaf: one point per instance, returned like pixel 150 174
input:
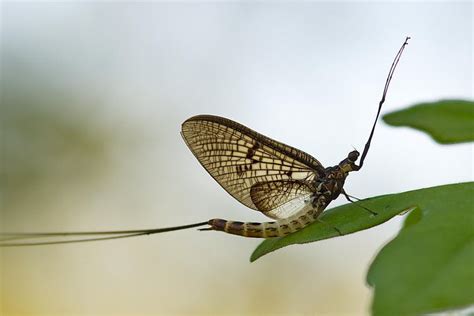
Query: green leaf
pixel 429 266
pixel 350 218
pixel 413 218
pixel 447 121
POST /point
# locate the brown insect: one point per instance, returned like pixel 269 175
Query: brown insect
pixel 284 183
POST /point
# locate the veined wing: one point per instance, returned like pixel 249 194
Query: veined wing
pixel 280 199
pixel 291 207
pixel 239 158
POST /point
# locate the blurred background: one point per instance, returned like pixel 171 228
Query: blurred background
pixel 93 95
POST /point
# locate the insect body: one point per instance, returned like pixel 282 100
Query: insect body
pixel 278 180
pixel 282 182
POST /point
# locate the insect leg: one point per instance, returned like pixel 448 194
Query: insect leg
pixel 335 228
pixel 350 197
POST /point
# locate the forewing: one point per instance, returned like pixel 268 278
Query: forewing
pixel 238 157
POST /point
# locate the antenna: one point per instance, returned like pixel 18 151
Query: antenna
pixel 385 90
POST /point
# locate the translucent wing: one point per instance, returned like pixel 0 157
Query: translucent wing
pixel 291 207
pixel 280 199
pixel 239 158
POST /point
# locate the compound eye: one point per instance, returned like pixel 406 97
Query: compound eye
pixel 353 155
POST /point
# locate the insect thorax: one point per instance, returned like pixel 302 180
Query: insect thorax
pixel 332 183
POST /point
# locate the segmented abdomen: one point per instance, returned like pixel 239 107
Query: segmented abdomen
pixel 278 228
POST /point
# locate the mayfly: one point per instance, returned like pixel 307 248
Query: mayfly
pixel 284 183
